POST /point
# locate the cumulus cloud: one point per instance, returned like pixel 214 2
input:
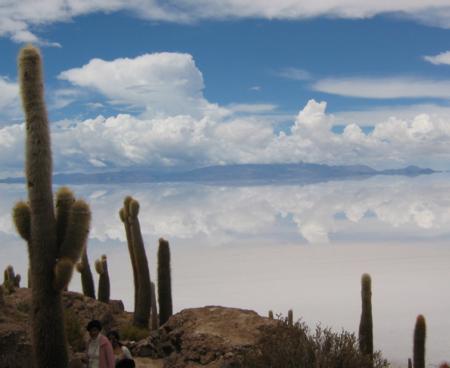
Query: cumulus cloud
pixel 18 19
pixel 185 141
pixel 160 84
pixel 442 58
pixel 9 101
pixel 372 116
pixel 383 88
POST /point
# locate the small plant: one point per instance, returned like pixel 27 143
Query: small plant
pixel 133 333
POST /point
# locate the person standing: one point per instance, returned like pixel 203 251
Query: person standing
pixel 99 350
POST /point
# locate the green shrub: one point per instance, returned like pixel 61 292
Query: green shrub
pixel 133 333
pixel 285 346
pixel 74 331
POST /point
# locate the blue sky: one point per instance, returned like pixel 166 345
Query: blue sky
pixel 186 85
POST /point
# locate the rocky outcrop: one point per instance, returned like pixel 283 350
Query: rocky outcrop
pixel 210 337
pixel 15 341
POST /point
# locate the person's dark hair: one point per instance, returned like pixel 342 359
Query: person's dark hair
pixel 113 333
pixel 94 324
pixel 125 363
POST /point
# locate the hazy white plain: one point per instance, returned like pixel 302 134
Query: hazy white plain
pixel 286 246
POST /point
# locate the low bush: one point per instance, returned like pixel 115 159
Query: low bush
pixel 133 333
pixel 285 346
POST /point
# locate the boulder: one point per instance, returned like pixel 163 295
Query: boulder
pixel 210 337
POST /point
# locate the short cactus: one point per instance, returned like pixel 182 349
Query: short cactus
pixel 366 323
pixel 87 281
pixel 101 266
pixel 419 342
pixel 164 282
pixel 290 318
pixel 11 281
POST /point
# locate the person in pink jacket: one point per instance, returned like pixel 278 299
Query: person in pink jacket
pixel 99 349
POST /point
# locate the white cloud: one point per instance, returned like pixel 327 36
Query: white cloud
pixel 18 19
pixel 159 84
pixel 294 73
pixel 251 108
pixel 384 88
pixel 442 58
pixel 9 101
pixel 186 141
pixel 379 114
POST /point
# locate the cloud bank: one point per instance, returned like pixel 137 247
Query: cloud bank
pixel 178 127
pixel 18 19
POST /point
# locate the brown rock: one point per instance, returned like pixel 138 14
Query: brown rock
pixel 204 337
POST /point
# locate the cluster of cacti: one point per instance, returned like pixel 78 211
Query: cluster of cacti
pixel 419 342
pixel 366 323
pixel 101 266
pixel 164 282
pixel 87 281
pixel 11 281
pixel 141 274
pixel 55 241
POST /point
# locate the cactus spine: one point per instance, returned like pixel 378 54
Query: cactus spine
pixel 164 282
pixel 154 310
pixel 87 281
pixel 419 342
pixel 52 256
pixel 366 323
pixel 101 266
pixel 129 216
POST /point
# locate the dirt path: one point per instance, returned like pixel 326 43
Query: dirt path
pixel 148 363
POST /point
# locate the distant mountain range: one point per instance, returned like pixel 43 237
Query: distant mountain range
pixel 249 173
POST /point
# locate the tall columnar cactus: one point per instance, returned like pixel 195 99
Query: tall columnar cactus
pixel 87 281
pixel 101 266
pixel 410 363
pixel 154 309
pixel 290 317
pixel 54 243
pixel 164 282
pixel 124 215
pixel 129 215
pixel 270 314
pixel 366 323
pixel 419 342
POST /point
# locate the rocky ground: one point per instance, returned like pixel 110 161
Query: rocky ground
pixel 210 337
